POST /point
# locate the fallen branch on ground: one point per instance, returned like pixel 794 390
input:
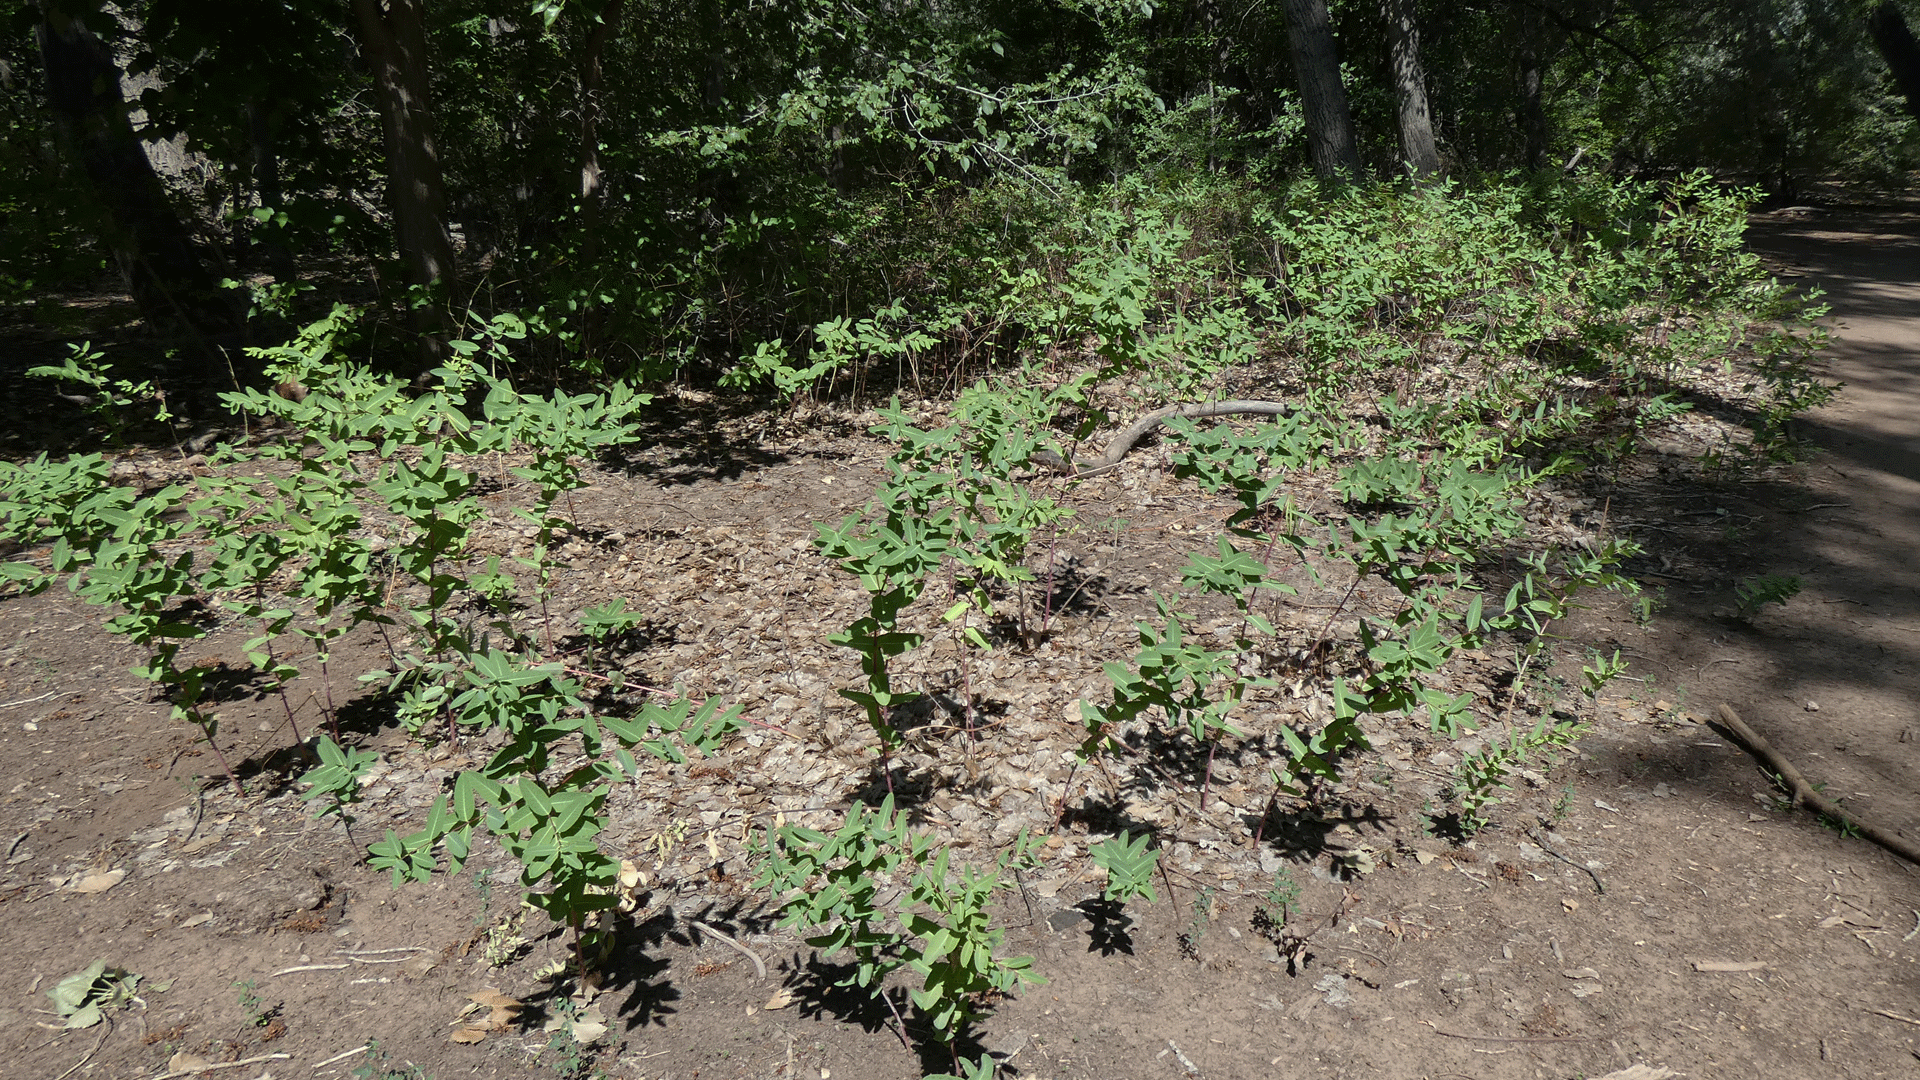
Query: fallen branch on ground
pixel 759 965
pixel 1123 442
pixel 1804 794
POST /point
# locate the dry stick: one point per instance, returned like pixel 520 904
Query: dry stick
pixel 343 1055
pixel 759 965
pixel 1804 793
pixel 1597 887
pixel 222 1065
pixel 309 967
pixel 1509 1038
pixel 1893 1016
pixel 28 701
pixel 97 1044
pixel 1123 442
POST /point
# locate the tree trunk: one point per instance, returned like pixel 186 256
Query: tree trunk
pixel 1316 67
pixel 1899 49
pixel 266 187
pixel 1533 112
pixel 393 38
pixel 167 272
pixel 592 177
pixel 592 180
pixel 1417 149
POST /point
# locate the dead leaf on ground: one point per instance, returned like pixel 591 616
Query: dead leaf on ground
pixel 503 1009
pixel 1832 921
pixel 781 999
pixel 185 1062
pixel 98 882
pixel 469 1035
pixel 587 1026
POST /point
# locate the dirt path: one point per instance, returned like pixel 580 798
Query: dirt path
pixel 1851 643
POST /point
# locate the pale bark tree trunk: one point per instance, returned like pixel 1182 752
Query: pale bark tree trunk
pixel 167 272
pixel 592 177
pixel 1316 67
pixel 1417 150
pixel 393 38
pixel 1899 49
pixel 592 78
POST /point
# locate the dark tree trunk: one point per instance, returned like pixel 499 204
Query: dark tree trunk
pixel 1417 149
pixel 1533 112
pixel 168 273
pixel 1316 67
pixel 393 38
pixel 592 77
pixel 1899 49
pixel 266 186
pixel 592 177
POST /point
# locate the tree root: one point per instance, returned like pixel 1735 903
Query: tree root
pixel 1124 442
pixel 1804 793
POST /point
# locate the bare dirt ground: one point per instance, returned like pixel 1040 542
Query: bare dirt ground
pixel 1649 903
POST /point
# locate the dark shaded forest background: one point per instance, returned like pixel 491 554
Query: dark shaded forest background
pixel 734 190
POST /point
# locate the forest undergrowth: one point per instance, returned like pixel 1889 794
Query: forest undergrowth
pixel 1427 359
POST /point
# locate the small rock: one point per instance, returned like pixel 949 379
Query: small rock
pixel 1813 706
pixel 1066 919
pixel 1335 987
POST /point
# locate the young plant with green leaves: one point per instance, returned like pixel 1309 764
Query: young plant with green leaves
pixel 106 398
pixel 1129 862
pixel 1480 780
pixel 941 930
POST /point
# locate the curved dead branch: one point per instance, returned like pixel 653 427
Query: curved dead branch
pixel 1118 448
pixel 1805 794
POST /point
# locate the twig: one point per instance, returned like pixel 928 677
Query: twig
pixel 1509 1038
pixel 1597 887
pixel 199 811
pixel 382 952
pixel 15 846
pixel 1375 957
pixel 222 1065
pixel 1804 793
pixel 97 1044
pixel 1123 442
pixel 388 960
pixel 759 965
pixel 342 1056
pixel 30 700
pixel 309 967
pixel 1895 1016
pixel 1185 1062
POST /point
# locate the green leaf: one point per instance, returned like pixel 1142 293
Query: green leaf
pixel 1129 863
